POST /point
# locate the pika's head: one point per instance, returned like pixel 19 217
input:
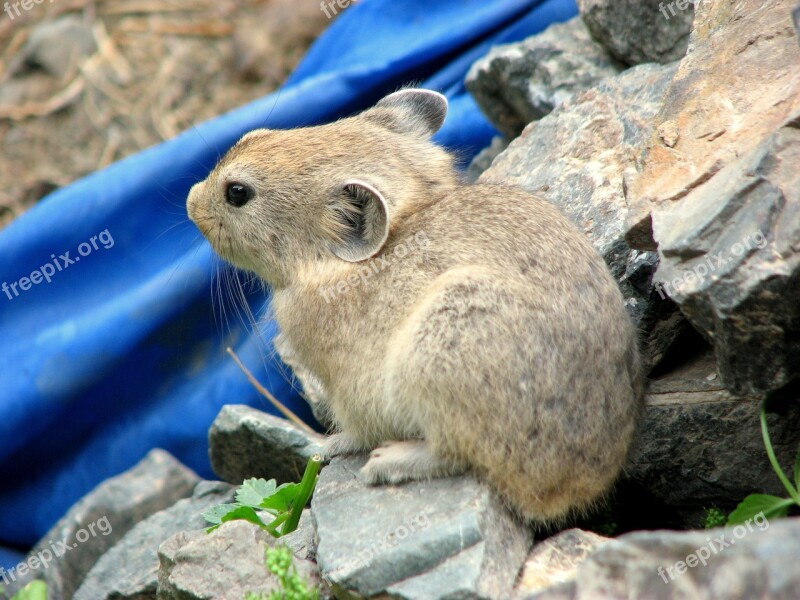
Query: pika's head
pixel 280 200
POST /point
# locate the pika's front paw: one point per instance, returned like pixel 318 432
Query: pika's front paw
pixel 407 460
pixel 339 444
pixel 388 463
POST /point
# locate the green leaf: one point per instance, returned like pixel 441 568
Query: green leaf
pixel 246 513
pixel 35 590
pixel 215 514
pixel 773 459
pixel 281 500
pixel 797 470
pixel 771 506
pixel 253 492
pixel 230 512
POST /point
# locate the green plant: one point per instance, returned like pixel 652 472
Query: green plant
pixel 280 561
pixel 770 506
pixel 714 518
pixel 35 590
pixel 257 497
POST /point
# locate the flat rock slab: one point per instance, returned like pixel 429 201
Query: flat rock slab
pixel 754 561
pixel 129 570
pixel 698 446
pixel 104 516
pixel 245 442
pixel 446 538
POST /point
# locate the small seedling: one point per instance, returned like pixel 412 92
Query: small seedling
pixel 770 506
pixel 714 518
pixel 280 562
pixel 258 499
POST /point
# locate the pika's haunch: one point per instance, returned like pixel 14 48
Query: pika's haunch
pixel 445 327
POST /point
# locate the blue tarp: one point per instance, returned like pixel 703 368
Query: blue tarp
pixel 117 345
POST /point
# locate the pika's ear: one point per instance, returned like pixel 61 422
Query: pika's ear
pixel 360 221
pixel 411 111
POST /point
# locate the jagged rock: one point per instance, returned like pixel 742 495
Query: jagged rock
pixel 483 160
pixel 697 446
pixel 446 538
pixel 719 178
pixel 712 114
pixel 758 560
pixel 576 157
pixel 228 563
pixel 640 31
pixel 245 442
pixel 519 83
pixel 129 570
pixel 730 257
pixel 556 560
pixel 106 514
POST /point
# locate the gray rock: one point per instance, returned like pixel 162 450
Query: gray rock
pixel 105 515
pixel 483 160
pixel 555 561
pixel 730 258
pixel 302 540
pixel 447 538
pixel 576 157
pixel 697 446
pixel 758 560
pixel 227 563
pixel 129 570
pixel 519 83
pixel 640 31
pixel 245 442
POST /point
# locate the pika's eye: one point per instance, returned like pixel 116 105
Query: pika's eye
pixel 238 194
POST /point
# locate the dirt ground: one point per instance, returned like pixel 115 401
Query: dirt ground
pixel 85 83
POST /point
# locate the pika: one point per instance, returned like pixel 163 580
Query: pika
pixel 444 327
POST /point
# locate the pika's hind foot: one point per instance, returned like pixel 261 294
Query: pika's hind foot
pixel 408 460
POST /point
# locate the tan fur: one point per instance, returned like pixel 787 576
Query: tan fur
pixel 502 343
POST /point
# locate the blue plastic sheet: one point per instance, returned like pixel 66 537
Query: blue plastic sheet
pixel 119 347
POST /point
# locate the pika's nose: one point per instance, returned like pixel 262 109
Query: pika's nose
pixel 193 200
